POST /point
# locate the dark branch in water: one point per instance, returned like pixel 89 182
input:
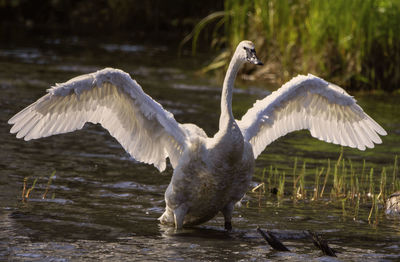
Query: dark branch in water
pixel 272 240
pixel 321 244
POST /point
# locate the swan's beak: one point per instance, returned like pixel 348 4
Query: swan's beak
pixel 254 59
pixel 257 61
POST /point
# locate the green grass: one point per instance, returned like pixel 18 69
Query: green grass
pixel 353 43
pixel 347 184
pixel 26 193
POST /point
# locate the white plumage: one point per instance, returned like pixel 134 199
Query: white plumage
pixel 210 174
pixel 309 102
pixel 109 97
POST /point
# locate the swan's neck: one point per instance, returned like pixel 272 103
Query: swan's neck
pixel 226 117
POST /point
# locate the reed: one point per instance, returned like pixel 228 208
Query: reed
pixel 363 178
pixel 269 178
pixel 281 186
pixel 374 211
pixel 300 191
pixel 353 43
pixel 350 186
pixel 294 177
pixel 328 169
pixel 395 185
pixel 356 208
pixel 316 185
pixel 48 184
pixel 26 193
pixel 371 183
pixel 382 186
pixel 24 188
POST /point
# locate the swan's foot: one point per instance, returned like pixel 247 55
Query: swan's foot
pixel 167 217
pixel 179 216
pixel 228 226
pixel 227 212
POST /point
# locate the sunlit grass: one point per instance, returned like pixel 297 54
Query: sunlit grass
pixel 353 43
pixel 343 184
pixel 26 192
pixel 48 184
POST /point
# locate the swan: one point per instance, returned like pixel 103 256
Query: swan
pixel 210 174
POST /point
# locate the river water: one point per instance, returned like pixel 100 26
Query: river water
pixel 102 205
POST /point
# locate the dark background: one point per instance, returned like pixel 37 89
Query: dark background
pixel 155 19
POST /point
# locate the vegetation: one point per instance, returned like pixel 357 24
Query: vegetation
pixel 353 43
pixel 27 192
pixel 339 183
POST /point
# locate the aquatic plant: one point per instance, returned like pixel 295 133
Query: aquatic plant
pixel 26 193
pixel 350 186
pixel 48 184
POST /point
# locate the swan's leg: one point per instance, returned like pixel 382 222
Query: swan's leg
pixel 227 212
pixel 179 215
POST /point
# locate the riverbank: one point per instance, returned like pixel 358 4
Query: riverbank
pixel 355 44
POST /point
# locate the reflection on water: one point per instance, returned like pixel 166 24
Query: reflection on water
pixel 103 205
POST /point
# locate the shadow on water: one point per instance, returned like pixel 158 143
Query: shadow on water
pixel 103 205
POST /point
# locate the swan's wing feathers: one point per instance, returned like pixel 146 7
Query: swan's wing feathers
pixel 309 102
pixel 112 98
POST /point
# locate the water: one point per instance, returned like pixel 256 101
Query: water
pixel 102 205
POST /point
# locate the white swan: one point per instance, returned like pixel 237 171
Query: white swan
pixel 211 174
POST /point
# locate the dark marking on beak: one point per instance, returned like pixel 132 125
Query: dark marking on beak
pixel 258 62
pixel 252 57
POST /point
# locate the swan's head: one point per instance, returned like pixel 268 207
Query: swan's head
pixel 247 53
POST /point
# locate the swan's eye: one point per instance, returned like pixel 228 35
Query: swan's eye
pixel 249 50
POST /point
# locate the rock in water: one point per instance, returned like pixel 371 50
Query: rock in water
pixel 393 204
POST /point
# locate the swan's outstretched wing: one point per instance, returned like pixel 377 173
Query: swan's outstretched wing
pixel 309 102
pixel 110 97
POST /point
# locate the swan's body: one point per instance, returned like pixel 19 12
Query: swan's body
pixel 210 174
